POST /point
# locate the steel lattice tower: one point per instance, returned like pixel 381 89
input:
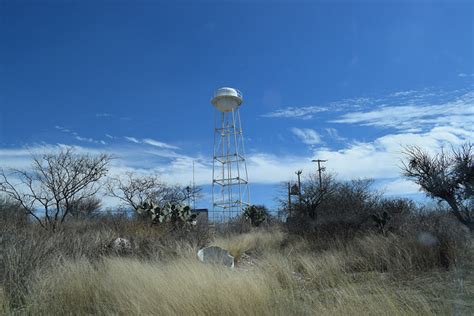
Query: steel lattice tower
pixel 230 185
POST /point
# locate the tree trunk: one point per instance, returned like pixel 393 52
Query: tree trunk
pixel 456 212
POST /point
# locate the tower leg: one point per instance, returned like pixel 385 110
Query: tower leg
pixel 230 191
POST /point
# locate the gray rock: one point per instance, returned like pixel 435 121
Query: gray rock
pixel 216 255
pixel 121 245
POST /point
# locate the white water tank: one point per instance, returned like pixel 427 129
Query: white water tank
pixel 227 99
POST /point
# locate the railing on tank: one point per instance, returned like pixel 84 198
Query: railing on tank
pixel 221 92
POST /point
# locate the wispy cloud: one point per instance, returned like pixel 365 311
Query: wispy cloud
pixel 464 75
pixel 132 139
pixel 151 142
pixel 334 134
pixel 458 112
pixel 62 129
pixel 378 159
pixel 308 112
pixel 307 135
pixel 305 112
pixel 78 137
pixel 89 140
pixel 398 99
pixel 103 115
pixel 403 93
pixel 159 144
pixel 413 117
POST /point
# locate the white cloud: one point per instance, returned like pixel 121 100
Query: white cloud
pixel 334 134
pixel 464 75
pixel 159 144
pixel 399 187
pixel 402 93
pixel 307 135
pixel 305 112
pixel 379 159
pixel 62 129
pixel 89 140
pixel 458 112
pixel 151 142
pixel 424 124
pixel 132 139
pixel 76 136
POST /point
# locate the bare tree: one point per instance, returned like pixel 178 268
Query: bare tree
pixel 332 206
pixel 447 177
pixel 55 183
pixel 312 195
pixel 134 190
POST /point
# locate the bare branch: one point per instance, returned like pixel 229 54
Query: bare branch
pixel 447 177
pixel 55 182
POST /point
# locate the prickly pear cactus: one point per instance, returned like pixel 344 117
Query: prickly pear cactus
pixel 170 213
pixel 256 214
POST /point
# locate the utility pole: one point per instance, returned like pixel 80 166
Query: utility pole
pixel 298 173
pixel 289 199
pixel 194 190
pixel 320 170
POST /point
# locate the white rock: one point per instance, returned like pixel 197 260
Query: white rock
pixel 217 255
pixel 121 245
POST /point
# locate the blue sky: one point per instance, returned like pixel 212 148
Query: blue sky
pixel 351 82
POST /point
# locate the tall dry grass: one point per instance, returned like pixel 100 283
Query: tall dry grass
pixel 3 302
pixel 256 242
pixel 73 271
pixel 285 279
pixel 187 287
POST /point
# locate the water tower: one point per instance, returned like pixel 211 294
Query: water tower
pixel 230 185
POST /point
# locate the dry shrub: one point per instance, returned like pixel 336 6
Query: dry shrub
pixel 439 227
pixel 11 213
pixel 236 225
pixel 398 254
pixel 31 248
pixel 25 250
pixel 391 253
pixel 254 242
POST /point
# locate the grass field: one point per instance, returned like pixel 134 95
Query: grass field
pixel 275 274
